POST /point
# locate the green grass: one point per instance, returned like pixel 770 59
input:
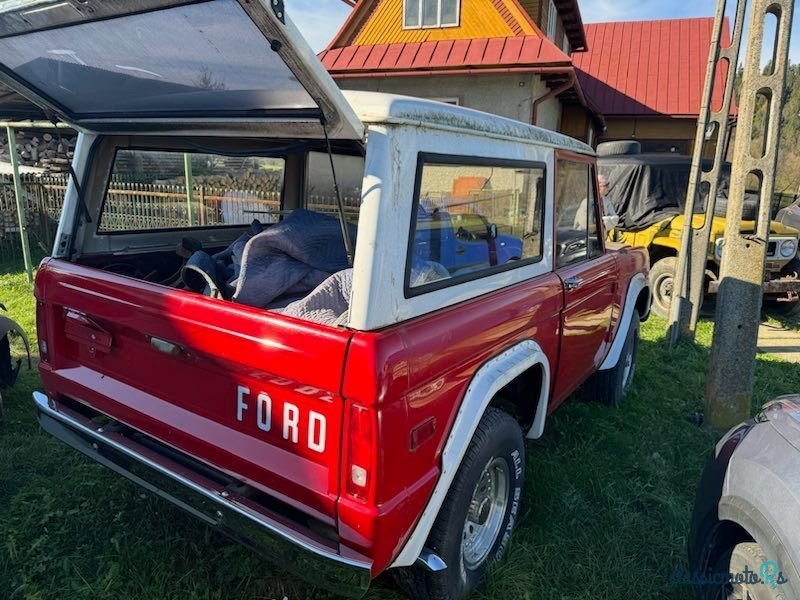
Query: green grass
pixel 607 504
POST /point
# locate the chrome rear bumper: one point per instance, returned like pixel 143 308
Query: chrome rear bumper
pixel 316 560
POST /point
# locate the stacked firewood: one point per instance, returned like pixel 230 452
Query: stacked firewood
pixel 262 183
pixel 50 151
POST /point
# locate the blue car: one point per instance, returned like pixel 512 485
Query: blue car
pixel 463 243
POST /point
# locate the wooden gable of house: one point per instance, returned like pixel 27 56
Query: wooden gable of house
pixel 381 22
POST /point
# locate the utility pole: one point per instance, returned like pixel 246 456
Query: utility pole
pixel 690 272
pixel 732 364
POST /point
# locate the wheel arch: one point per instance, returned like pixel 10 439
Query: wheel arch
pixel 638 299
pixel 644 301
pixel 525 399
pixel 490 379
pixel 660 252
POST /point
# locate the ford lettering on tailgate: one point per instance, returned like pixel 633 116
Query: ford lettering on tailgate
pixel 286 420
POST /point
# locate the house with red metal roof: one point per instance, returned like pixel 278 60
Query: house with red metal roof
pixel 647 79
pixel 508 57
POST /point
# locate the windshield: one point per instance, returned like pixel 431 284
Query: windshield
pixel 207 57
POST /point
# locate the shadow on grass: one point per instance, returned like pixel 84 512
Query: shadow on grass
pixel 605 514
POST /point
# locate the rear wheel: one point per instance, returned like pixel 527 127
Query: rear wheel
pixel 476 520
pixel 748 558
pixel 662 280
pixel 612 385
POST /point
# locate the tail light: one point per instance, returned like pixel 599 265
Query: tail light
pixel 41 330
pixel 359 468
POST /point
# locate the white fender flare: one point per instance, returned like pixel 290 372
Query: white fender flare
pixel 493 376
pixel 638 283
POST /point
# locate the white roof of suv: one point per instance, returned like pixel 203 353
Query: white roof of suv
pixel 374 107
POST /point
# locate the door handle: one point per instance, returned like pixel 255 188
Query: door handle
pixel 166 347
pixel 460 250
pixel 572 283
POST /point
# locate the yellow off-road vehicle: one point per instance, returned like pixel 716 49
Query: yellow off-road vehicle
pixel 648 192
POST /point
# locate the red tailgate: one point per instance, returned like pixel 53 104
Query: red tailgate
pixel 250 392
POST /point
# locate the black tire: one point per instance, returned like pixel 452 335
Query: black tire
pixel 743 556
pixel 611 386
pixel 623 147
pixel 662 280
pixel 499 440
pixel 783 309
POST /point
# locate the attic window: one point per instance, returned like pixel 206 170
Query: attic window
pixel 422 14
pixel 552 21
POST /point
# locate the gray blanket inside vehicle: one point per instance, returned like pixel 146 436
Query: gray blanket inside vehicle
pixel 291 257
pixel 328 304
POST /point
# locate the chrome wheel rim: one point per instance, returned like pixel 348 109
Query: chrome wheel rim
pixel 664 287
pixel 486 513
pixel 630 366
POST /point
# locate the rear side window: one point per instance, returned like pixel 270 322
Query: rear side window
pixel 156 190
pixel 473 218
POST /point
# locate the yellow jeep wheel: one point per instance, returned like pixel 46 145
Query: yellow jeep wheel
pixel 662 280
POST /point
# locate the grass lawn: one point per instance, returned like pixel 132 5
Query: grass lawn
pixel 608 499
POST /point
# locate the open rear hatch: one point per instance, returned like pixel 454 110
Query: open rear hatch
pixel 212 67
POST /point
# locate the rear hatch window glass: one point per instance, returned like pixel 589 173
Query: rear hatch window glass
pixel 206 57
pixel 320 191
pixel 152 190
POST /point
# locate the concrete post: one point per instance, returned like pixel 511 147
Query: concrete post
pixel 689 283
pixel 22 214
pixel 732 363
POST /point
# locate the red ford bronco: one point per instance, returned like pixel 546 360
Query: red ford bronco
pixel 322 322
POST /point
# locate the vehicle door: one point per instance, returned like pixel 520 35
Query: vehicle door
pixel 588 273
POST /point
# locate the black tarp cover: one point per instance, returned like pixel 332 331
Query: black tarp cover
pixel 646 189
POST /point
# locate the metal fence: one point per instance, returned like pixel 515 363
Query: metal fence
pixel 134 206
pixel 154 206
pixel 43 197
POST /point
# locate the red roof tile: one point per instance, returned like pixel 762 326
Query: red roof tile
pixel 648 67
pixel 513 52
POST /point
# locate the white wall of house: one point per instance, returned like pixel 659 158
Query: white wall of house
pixel 509 96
